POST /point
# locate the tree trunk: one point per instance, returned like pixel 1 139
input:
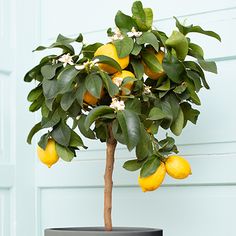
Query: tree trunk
pixel 110 151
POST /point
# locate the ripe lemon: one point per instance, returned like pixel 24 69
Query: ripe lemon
pixel 155 75
pixel 48 156
pixel 153 181
pixel 178 167
pixel 90 99
pixel 109 50
pixel 118 77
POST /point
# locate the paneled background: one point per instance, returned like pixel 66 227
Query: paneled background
pixel 33 197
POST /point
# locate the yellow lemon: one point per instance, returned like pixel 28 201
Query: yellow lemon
pixel 178 167
pixel 109 50
pixel 155 75
pixel 153 181
pixel 118 77
pixel 48 156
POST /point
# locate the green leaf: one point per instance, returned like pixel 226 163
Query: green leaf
pixel 195 29
pixel 130 126
pixel 44 141
pixel 50 89
pixel 33 131
pixel 195 51
pixel 80 91
pixel 156 114
pixel 148 38
pixel 67 100
pixel 61 134
pixel 49 71
pixel 194 66
pixel 148 17
pixel 64 39
pixel 64 153
pixel 141 17
pixel 37 104
pixel 178 124
pixel 93 84
pixel 53 119
pixel 133 104
pixel 96 113
pixel 109 85
pixel 195 77
pixel 132 165
pixel 138 68
pixel 179 43
pixel 181 88
pixel 151 61
pixel 35 93
pixel 173 68
pixel 66 78
pixel 89 50
pixel 144 146
pixel 87 133
pixel 189 113
pixel 124 46
pixel 66 47
pixel 109 61
pixel 75 140
pixel 136 49
pixel 150 167
pixel 208 65
pixel 124 22
pixel 165 86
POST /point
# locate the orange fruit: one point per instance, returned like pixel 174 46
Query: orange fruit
pixel 90 99
pixel 118 77
pixel 109 50
pixel 151 74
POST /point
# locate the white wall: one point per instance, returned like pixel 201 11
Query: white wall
pixel 71 194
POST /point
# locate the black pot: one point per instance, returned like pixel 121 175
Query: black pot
pixel 99 231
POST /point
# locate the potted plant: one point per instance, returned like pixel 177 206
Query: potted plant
pixel 121 92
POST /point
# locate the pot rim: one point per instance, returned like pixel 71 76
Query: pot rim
pixel 129 230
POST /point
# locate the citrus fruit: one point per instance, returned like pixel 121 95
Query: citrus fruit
pixel 48 156
pixel 151 74
pixel 178 167
pixel 109 50
pixel 90 99
pixel 153 181
pixel 118 77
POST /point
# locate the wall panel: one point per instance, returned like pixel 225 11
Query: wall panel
pixel 5 212
pixel 70 194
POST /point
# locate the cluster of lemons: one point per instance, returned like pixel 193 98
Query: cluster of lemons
pixel 176 166
pixel 109 50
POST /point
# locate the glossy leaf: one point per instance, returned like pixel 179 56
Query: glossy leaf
pixel 124 46
pixel 33 131
pixel 61 134
pixel 93 84
pixel 130 126
pixel 96 113
pixel 64 153
pixel 86 133
pixel 148 38
pixel 149 167
pixel 132 165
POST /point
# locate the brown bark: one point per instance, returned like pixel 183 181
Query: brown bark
pixel 110 151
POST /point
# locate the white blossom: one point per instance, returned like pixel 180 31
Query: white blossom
pixel 147 89
pixel 117 81
pixel 66 59
pixel 89 64
pixel 134 33
pixel 117 105
pixel 117 35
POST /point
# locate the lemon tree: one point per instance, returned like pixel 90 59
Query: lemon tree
pixel 141 81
